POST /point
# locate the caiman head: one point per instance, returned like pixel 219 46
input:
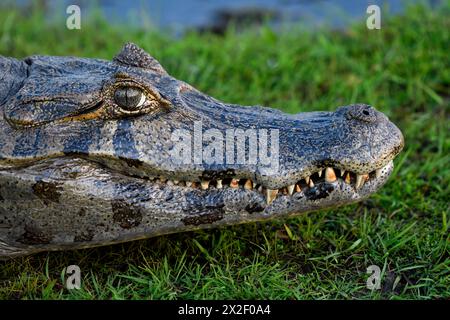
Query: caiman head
pixel 95 152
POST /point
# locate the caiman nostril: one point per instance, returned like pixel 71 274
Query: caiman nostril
pixel 362 112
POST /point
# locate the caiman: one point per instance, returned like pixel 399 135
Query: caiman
pixel 87 155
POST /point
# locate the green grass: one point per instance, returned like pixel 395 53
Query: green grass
pixel 402 69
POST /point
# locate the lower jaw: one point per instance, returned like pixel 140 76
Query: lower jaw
pixel 104 217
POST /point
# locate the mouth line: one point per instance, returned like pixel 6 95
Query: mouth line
pixel 307 184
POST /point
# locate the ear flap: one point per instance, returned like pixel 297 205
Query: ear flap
pixel 133 56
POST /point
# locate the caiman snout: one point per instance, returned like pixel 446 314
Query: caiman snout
pixel 350 150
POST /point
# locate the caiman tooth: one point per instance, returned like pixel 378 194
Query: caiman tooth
pixel 188 184
pixel 378 173
pixel 162 179
pixel 319 173
pixel 307 179
pixel 170 183
pixel 260 189
pixel 359 181
pixel 176 181
pixel 363 179
pixel 234 183
pixel 297 188
pixel 330 176
pixel 219 184
pixel 311 183
pixel 347 178
pixel 291 189
pixel 248 184
pixel 271 195
pixel 342 172
pixel 205 184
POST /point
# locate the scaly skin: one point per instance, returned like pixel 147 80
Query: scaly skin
pixel 86 155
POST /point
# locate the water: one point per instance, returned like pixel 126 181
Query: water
pixel 213 15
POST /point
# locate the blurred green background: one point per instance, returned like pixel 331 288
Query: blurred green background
pixel 402 69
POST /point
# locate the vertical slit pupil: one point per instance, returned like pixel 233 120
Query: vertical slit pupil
pixel 127 97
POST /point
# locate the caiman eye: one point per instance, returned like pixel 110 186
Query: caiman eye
pixel 129 98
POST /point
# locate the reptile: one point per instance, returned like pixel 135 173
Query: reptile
pixel 90 155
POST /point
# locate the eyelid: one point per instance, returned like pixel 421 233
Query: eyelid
pixel 129 83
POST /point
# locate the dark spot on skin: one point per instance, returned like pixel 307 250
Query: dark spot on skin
pixel 132 162
pixel 320 191
pixel 254 207
pixel 203 219
pixel 215 206
pixel 33 236
pixel 47 191
pixel 125 214
pixel 215 175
